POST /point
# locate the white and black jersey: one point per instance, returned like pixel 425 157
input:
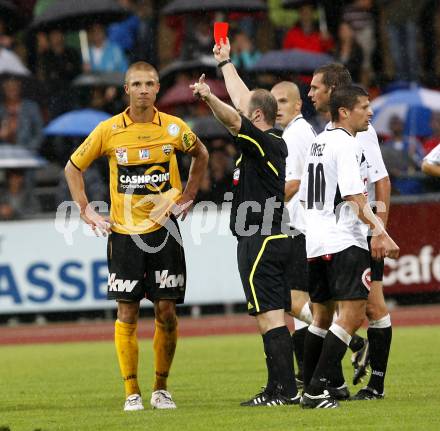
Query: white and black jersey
pixel 376 169
pixel 298 135
pixel 433 157
pixel 335 167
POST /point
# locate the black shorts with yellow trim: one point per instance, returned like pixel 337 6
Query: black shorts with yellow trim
pixel 150 265
pixel 340 276
pixel 262 262
pixel 377 266
pixel 296 272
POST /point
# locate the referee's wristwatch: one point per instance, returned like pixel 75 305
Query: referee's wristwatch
pixel 222 63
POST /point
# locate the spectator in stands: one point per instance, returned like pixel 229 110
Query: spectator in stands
pixel 434 140
pixel 105 56
pixel 282 20
pixel 20 119
pixel 6 40
pixel 56 67
pixel 60 63
pixel 306 35
pixel 198 37
pixel 409 148
pixel 348 51
pixel 401 26
pixel 244 54
pixel 16 200
pixel 359 15
pixel 136 35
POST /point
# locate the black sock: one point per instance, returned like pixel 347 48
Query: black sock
pixel 337 379
pixel 333 350
pixel 312 351
pixel 278 343
pixel 298 340
pixel 380 343
pixel 356 343
pixel 271 384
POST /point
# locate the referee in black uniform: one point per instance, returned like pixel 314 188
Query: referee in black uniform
pixel 256 221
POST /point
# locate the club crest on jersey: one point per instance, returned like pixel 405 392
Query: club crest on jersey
pixel 144 154
pixel 121 155
pixel 167 149
pixel 236 176
pixel 173 129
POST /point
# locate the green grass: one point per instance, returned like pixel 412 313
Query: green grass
pixel 77 387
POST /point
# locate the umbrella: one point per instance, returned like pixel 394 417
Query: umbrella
pixel 99 79
pixel 16 157
pixel 189 6
pixel 76 123
pixel 292 60
pixel 14 19
pixel 209 128
pixel 78 14
pixel 180 93
pixel 202 63
pixel 414 106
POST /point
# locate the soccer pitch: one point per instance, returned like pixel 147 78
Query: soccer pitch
pixel 76 386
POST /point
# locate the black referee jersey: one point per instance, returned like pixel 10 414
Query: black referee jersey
pixel 259 179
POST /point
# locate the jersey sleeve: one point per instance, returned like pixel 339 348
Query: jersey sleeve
pixel 89 150
pixel 348 170
pixel 186 138
pixel 376 169
pixel 297 146
pixel 433 157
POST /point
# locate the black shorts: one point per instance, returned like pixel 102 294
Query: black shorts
pixel 137 272
pixel 339 276
pixel 262 262
pixel 296 272
pixel 377 266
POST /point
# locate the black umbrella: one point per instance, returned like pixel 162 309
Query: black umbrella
pixel 78 14
pixel 177 7
pixel 200 64
pixel 99 79
pixel 291 60
pixel 11 16
pixel 209 128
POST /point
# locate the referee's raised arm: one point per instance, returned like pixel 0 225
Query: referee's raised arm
pixel 226 114
pixel 237 89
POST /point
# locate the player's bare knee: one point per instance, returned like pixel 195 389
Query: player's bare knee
pixel 376 311
pixel 128 312
pixel 165 313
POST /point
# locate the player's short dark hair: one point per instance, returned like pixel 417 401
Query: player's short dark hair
pixel 345 97
pixel 140 65
pixel 334 75
pixel 264 100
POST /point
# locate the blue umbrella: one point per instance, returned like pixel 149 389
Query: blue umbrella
pixel 291 60
pixel 76 123
pixel 414 106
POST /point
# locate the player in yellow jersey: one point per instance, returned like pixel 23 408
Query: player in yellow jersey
pixel 145 254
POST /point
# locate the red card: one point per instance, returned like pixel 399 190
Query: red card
pixel 220 32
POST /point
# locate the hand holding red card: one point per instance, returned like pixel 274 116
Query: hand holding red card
pixel 220 32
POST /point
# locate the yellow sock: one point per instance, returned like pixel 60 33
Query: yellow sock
pixel 164 346
pixel 127 350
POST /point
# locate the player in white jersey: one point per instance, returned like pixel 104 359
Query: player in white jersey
pixel 431 163
pixel 325 80
pixel 333 189
pixel 298 135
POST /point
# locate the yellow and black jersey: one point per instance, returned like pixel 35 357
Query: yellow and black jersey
pixel 144 175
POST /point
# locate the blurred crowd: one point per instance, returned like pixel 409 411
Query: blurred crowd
pixel 46 72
